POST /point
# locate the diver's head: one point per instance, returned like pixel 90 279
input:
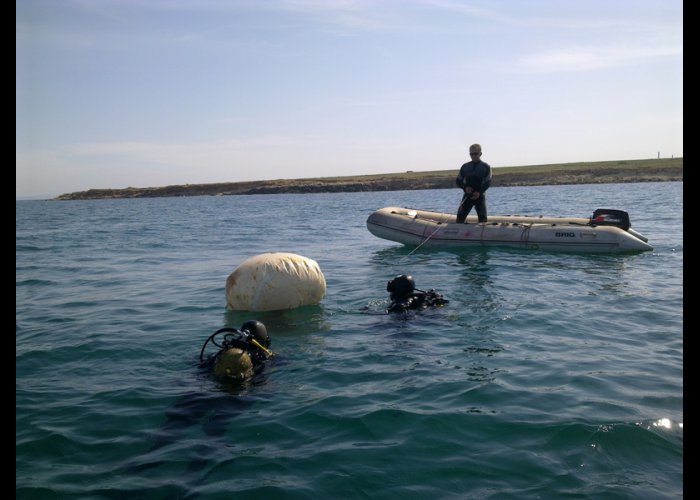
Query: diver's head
pixel 401 286
pixel 257 330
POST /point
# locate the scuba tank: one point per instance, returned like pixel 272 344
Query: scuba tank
pixel 240 353
pixel 233 363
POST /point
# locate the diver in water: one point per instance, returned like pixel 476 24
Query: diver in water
pixel 240 360
pixel 404 295
pixel 241 354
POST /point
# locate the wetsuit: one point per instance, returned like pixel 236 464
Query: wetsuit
pixel 417 300
pixel 477 175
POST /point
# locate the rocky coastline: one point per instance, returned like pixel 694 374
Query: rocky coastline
pixel 656 170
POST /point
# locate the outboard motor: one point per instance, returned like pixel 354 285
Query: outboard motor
pixel 611 217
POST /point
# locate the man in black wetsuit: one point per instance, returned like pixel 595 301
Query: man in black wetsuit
pixel 474 179
pixel 404 295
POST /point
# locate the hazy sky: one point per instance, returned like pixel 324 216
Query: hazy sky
pixel 118 93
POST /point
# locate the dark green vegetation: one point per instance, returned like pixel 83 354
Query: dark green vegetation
pixel 603 172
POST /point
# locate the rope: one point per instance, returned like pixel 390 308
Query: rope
pixel 425 240
pixel 439 223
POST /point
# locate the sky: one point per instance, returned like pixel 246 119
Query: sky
pixel 148 93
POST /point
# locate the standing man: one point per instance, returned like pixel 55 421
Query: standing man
pixel 474 179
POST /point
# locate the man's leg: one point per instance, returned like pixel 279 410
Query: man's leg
pixel 464 208
pixel 481 207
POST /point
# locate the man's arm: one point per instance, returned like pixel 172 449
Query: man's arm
pixel 486 181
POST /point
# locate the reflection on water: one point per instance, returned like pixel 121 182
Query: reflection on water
pixel 398 254
pixel 211 411
pixel 607 273
pixel 476 270
pixel 479 373
pixel 481 297
pixel 301 320
pixel 475 267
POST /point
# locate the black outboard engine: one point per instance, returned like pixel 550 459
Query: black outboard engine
pixel 611 217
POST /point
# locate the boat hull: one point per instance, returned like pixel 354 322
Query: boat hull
pixel 561 234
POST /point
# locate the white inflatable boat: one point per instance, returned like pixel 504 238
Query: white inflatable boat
pixel 607 231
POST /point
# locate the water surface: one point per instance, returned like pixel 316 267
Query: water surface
pixel 546 376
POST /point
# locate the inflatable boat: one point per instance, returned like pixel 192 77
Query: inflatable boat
pixel 607 231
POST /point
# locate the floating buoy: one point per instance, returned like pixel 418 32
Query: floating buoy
pixel 273 281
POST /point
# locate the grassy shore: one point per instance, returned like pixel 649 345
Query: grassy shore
pixel 604 172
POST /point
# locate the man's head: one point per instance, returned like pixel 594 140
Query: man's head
pixel 258 330
pixel 475 152
pixel 401 287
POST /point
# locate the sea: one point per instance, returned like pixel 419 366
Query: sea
pixel 547 375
